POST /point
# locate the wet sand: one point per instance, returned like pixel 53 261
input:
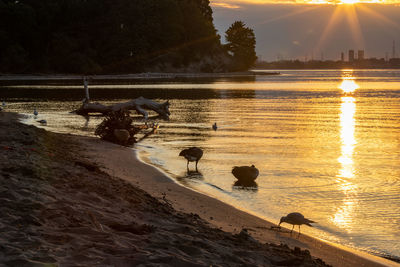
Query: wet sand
pixel 79 201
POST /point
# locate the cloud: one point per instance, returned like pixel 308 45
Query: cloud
pixel 224 5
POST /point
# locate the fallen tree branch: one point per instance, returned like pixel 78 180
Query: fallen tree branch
pixel 139 104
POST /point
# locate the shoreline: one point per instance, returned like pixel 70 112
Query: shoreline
pixel 102 160
pixel 135 76
pixel 181 198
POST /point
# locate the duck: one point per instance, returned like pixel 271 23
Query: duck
pixel 245 174
pixel 192 154
pixel 295 218
pixel 215 127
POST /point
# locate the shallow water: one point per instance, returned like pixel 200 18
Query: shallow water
pixel 326 143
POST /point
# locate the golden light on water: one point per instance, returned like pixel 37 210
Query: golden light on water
pixel 347 124
pixel 349 86
pixel 344 213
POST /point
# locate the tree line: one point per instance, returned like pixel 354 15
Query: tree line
pixel 118 36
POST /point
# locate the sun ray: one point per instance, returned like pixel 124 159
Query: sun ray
pixel 333 21
pixel 378 16
pixel 355 27
pixel 291 14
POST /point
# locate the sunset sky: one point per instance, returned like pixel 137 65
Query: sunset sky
pixel 315 28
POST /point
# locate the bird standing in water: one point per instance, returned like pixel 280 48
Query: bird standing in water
pixel 295 218
pixel 192 154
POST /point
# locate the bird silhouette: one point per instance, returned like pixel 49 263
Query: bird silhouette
pixel 3 104
pixel 35 112
pixel 215 127
pixel 245 174
pixel 192 154
pixel 42 122
pixel 295 218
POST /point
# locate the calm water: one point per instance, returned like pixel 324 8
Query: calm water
pixel 327 143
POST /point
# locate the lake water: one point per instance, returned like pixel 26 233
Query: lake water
pixel 327 143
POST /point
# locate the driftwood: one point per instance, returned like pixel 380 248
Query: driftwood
pixel 139 104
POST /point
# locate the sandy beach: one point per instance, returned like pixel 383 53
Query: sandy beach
pixel 79 201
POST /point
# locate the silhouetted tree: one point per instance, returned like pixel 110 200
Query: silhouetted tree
pixel 107 36
pixel 241 45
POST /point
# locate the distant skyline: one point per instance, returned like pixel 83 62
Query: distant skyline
pixel 305 31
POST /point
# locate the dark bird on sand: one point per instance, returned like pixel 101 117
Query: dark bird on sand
pixel 245 174
pixel 192 154
pixel 295 218
pixel 42 122
pixel 215 127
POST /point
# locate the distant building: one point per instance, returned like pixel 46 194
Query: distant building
pixel 342 56
pixel 360 55
pixel 351 55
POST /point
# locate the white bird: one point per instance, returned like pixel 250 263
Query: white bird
pixel 35 112
pixel 215 126
pixel 295 218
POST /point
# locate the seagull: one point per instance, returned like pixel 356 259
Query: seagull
pixel 215 126
pixel 245 174
pixel 192 154
pixel 35 112
pixel 295 218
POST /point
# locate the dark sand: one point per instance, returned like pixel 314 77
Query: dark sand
pixel 79 201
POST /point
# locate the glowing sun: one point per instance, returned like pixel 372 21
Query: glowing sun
pixel 349 2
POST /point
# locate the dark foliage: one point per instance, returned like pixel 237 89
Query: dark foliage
pixel 117 120
pixel 241 45
pixel 104 36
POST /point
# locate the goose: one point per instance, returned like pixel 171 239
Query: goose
pixel 192 154
pixel 295 218
pixel 245 174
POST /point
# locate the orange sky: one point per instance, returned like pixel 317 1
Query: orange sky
pixel 305 29
pixel 236 3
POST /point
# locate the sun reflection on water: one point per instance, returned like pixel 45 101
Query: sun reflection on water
pixel 344 214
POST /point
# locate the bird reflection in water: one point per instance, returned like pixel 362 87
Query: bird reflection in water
pixel 190 176
pixel 249 186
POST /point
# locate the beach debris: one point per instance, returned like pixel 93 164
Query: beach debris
pixel 122 135
pixel 295 218
pixel 246 175
pixel 117 128
pixel 95 222
pixel 139 104
pixel 215 127
pixel 192 154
